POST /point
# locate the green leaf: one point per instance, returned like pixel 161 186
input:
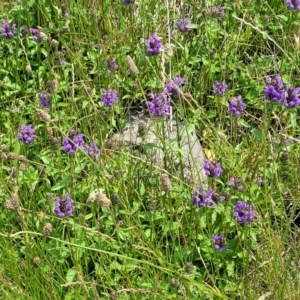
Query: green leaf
pixel 257 134
pixel 244 123
pixel 62 183
pixel 70 275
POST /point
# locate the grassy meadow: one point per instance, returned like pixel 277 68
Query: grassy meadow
pixel 86 217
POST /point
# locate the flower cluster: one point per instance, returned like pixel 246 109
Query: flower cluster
pixel 206 197
pixel 244 213
pixel 218 241
pixel 110 97
pixel 92 150
pixel 276 91
pixel 153 45
pixel 220 88
pixel 8 30
pixel 236 106
pixel 173 87
pixel 44 99
pixel 236 182
pixel 37 34
pixel 158 104
pixel 111 65
pixel 64 206
pixel 293 4
pixel 212 170
pixel 217 11
pixel 26 134
pixel 70 144
pixel 182 25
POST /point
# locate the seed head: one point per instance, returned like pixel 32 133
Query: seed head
pixel 165 183
pixel 103 201
pixel 47 229
pixel 43 115
pixel 131 65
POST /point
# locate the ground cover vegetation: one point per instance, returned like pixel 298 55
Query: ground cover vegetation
pixel 85 217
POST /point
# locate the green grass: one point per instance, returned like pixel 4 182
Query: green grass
pixel 148 244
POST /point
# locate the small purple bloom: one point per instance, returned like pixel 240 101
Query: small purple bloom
pixel 236 106
pixel 291 98
pixel 212 170
pixel 259 181
pixel 37 34
pixel 128 1
pixel 158 104
pixel 293 4
pixel 26 134
pixel 92 150
pixel 202 197
pixel 218 241
pixel 111 65
pixel 62 62
pixel 244 213
pixel 64 206
pixel 44 99
pixel 236 182
pixel 8 30
pixel 110 97
pixel 274 91
pixel 217 11
pixel 220 88
pixel 173 87
pixel 182 23
pixel 153 45
pixel 70 145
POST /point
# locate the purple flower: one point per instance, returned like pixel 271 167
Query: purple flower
pixel 236 182
pixel 64 206
pixel 291 98
pixel 220 88
pixel 92 150
pixel 153 45
pixel 44 99
pixel 110 97
pixel 62 62
pixel 8 30
pixel 236 106
pixel 26 134
pixel 111 65
pixel 212 170
pixel 206 197
pixel 182 23
pixel 158 104
pixel 128 1
pixel 244 213
pixel 218 241
pixel 173 87
pixel 293 4
pixel 217 11
pixel 274 91
pixel 259 181
pixel 37 34
pixel 71 144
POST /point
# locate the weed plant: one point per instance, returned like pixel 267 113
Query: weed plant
pixel 85 217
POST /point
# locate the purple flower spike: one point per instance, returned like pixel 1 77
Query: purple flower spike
pixel 159 105
pixel 220 88
pixel 218 241
pixel 8 30
pixel 111 65
pixel 217 11
pixel 236 106
pixel 236 182
pixel 70 145
pixel 92 150
pixel 274 90
pixel 212 170
pixel 293 4
pixel 182 23
pixel 26 134
pixel 44 99
pixel 173 87
pixel 153 45
pixel 110 97
pixel 244 213
pixel 202 197
pixel 64 206
pixel 37 34
pixel 291 96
